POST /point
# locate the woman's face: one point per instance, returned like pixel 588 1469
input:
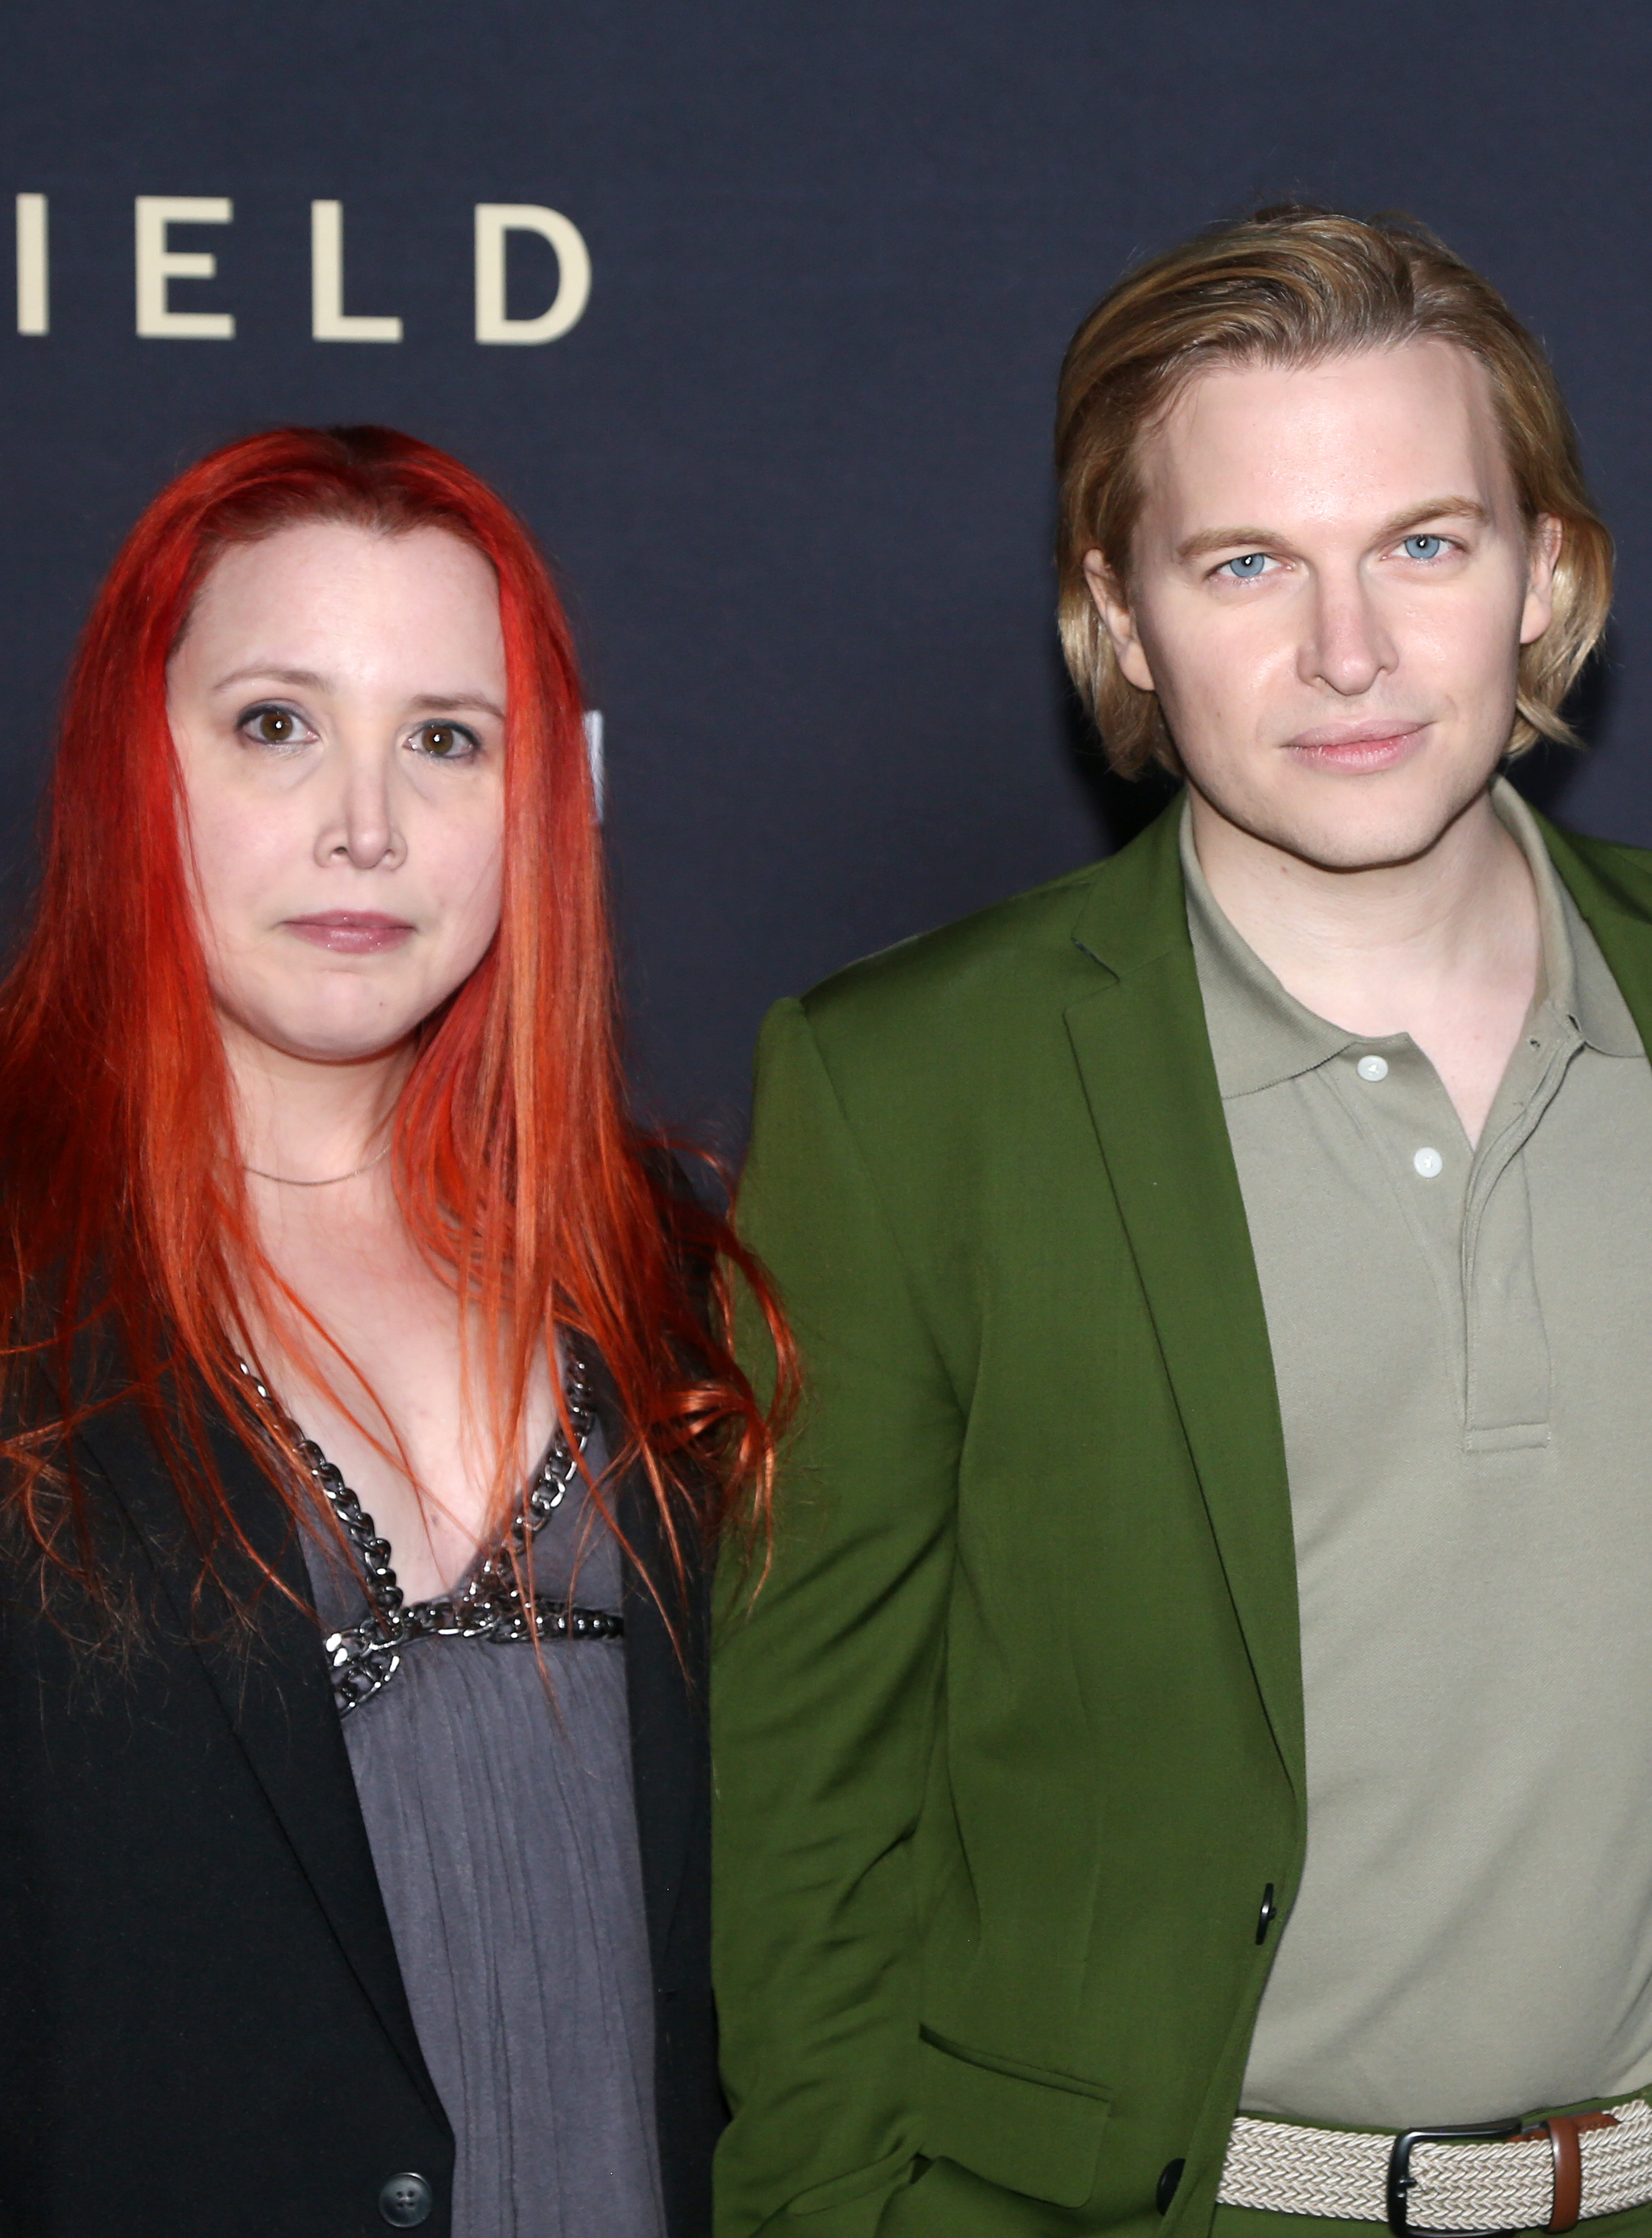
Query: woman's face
pixel 338 704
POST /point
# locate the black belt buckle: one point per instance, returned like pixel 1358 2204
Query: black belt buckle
pixel 1400 2178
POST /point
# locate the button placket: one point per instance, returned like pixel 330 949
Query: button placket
pixel 1506 1395
pixel 1427 1162
pixel 1405 1112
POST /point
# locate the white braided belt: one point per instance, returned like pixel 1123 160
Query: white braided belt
pixel 1510 2184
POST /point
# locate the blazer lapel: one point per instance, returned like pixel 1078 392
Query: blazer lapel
pixel 276 1695
pixel 664 1684
pixel 1150 1082
pixel 1617 919
pixel 665 1667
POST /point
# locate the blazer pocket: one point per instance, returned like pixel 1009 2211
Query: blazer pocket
pixel 1022 2127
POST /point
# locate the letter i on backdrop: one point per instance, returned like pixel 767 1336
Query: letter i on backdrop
pixel 33 287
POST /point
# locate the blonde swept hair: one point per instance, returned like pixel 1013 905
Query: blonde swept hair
pixel 1292 286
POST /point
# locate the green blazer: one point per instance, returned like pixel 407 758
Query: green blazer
pixel 1009 1745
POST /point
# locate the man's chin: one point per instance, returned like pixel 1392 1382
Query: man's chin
pixel 1352 833
pixel 1338 849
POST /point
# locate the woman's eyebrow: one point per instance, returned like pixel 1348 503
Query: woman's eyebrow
pixel 310 679
pixel 302 680
pixel 457 703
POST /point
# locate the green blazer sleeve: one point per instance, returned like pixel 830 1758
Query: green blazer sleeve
pixel 826 1690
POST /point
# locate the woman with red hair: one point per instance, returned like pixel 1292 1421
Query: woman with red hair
pixel 366 1412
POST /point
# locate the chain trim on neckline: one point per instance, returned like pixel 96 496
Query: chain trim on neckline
pixel 490 1605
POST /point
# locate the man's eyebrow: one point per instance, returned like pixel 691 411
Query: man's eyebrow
pixel 1443 508
pixel 1399 524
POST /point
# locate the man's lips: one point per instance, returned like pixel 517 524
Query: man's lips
pixel 350 932
pixel 1380 743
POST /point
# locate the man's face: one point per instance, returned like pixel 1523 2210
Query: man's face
pixel 1329 584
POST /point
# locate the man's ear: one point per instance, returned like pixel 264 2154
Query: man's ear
pixel 1548 534
pixel 1119 622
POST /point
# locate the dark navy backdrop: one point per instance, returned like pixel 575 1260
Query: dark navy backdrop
pixel 793 460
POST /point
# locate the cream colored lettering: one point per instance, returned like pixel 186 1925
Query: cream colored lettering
pixel 495 223
pixel 33 288
pixel 159 265
pixel 161 272
pixel 329 321
pixel 595 754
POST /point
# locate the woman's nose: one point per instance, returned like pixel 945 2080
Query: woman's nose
pixel 361 829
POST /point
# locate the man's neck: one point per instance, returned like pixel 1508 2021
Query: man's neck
pixel 1445 948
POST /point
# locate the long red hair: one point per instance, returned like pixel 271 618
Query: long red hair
pixel 520 1174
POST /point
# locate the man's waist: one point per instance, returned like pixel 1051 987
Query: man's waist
pixel 1547 2172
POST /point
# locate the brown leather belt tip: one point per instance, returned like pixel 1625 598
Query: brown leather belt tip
pixel 1563 2130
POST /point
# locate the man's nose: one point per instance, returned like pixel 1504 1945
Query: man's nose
pixel 1348 644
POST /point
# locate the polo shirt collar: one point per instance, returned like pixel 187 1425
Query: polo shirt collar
pixel 1260 1034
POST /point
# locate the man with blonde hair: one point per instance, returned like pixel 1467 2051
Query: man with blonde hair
pixel 1186 1766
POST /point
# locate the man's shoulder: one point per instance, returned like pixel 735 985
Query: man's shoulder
pixel 983 971
pixel 973 960
pixel 1624 871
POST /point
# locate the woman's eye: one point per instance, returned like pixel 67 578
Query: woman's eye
pixel 1247 567
pixel 1422 547
pixel 447 742
pixel 273 726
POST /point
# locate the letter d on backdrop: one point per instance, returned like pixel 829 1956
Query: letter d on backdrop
pixel 494 221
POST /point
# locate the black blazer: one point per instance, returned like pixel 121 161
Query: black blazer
pixel 202 2023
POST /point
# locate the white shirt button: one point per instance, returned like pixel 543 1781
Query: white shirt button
pixel 1428 1163
pixel 1372 1067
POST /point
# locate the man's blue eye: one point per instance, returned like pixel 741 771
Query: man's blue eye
pixel 1248 567
pixel 1424 547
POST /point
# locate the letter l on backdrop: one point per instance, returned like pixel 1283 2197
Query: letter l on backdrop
pixel 329 321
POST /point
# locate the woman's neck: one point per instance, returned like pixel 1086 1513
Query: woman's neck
pixel 305 1121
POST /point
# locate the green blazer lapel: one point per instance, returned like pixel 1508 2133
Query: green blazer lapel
pixel 1615 914
pixel 1145 1057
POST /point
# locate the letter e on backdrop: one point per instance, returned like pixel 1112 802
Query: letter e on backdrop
pixel 159 265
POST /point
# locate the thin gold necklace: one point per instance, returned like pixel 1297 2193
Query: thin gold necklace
pixel 330 1181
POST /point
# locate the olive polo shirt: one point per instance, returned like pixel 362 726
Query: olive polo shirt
pixel 1461 1341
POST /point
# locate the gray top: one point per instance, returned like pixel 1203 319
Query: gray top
pixel 503 1828
pixel 1462 1339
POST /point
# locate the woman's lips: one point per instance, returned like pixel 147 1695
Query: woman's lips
pixel 350 932
pixel 1359 750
